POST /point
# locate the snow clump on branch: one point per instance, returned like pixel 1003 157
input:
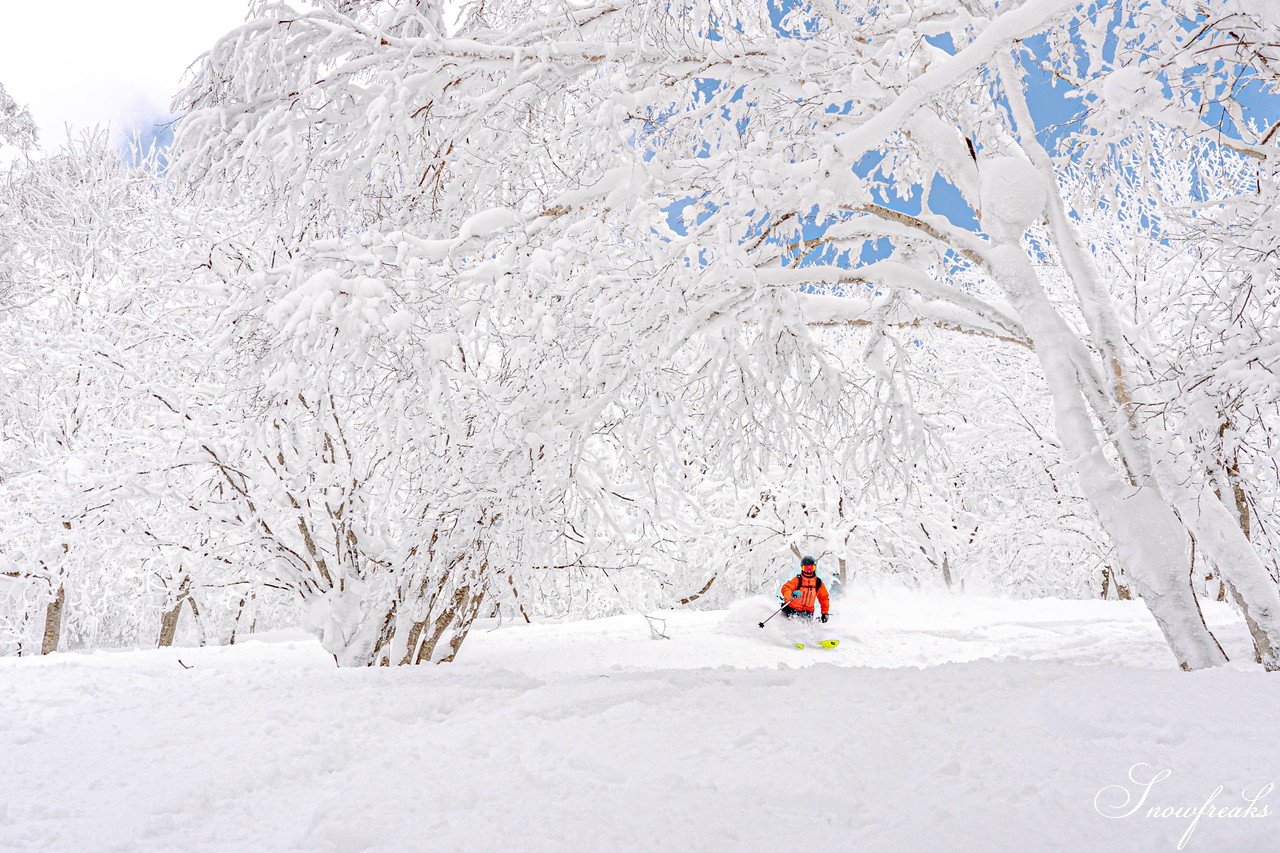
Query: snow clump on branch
pixel 1013 195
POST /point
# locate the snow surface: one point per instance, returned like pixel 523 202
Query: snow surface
pixel 940 723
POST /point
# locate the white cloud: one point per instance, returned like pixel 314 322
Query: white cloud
pixel 93 62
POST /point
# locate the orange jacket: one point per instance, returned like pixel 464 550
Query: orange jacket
pixel 810 589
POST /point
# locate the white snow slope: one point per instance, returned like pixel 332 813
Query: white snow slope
pixel 939 724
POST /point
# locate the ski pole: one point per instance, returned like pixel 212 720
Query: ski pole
pixel 776 612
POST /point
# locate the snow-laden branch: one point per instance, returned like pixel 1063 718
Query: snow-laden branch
pixel 908 311
pixel 1031 17
pixel 970 310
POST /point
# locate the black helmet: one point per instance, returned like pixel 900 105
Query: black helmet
pixel 808 561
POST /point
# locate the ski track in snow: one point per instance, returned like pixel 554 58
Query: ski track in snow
pixel 957 724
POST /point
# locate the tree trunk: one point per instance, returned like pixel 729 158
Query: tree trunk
pixel 400 646
pixel 235 625
pixel 427 648
pixel 1238 564
pixel 169 619
pixel 53 622
pixel 1262 643
pixel 202 636
pixel 382 648
pixel 515 596
pixel 53 612
pixel 1111 580
pixel 465 619
pixel 1153 547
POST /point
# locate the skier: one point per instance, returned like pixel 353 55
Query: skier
pixel 804 590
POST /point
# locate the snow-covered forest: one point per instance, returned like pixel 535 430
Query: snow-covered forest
pixel 546 308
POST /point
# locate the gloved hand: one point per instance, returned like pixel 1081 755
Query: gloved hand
pixel 824 617
pixel 795 594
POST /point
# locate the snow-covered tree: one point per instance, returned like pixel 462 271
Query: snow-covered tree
pixel 101 336
pixel 17 127
pixel 1202 318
